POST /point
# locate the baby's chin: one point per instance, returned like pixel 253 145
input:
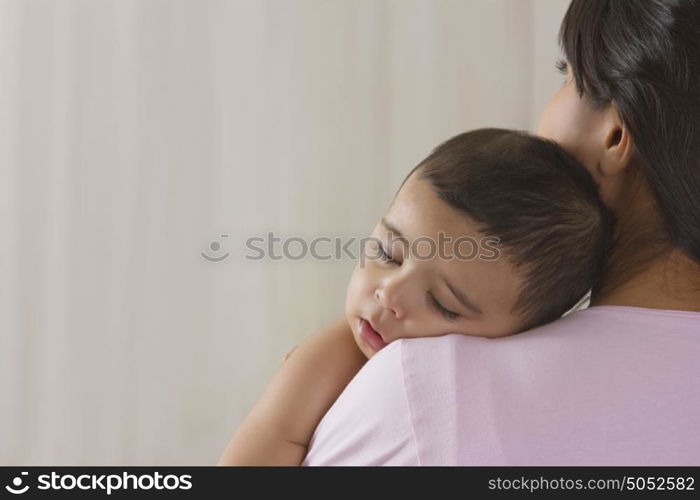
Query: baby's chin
pixel 369 353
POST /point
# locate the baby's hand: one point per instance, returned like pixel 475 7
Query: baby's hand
pixel 284 358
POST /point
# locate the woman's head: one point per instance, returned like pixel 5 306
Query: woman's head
pixel 509 222
pixel 630 112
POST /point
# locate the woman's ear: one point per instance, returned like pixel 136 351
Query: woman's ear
pixel 618 147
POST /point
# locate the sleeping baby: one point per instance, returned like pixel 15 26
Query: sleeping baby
pixel 494 233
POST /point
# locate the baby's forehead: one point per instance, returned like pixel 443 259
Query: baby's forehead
pixel 476 256
pixel 435 240
pixel 447 226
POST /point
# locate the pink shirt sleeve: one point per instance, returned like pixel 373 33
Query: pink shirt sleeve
pixel 355 431
pixel 609 385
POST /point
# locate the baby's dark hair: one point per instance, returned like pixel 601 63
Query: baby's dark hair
pixel 540 202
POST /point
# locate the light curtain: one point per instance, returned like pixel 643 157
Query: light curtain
pixel 134 135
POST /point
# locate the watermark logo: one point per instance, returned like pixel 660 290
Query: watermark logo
pixel 215 246
pixel 16 488
pixel 107 483
pixel 110 483
pixel 370 248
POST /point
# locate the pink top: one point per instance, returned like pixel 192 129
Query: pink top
pixel 608 385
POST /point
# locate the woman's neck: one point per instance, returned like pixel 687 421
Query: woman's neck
pixel 643 269
pixel 670 281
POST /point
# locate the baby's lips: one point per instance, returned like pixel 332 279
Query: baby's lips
pixel 371 336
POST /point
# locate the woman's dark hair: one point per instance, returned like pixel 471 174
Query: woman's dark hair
pixel 643 56
pixel 540 202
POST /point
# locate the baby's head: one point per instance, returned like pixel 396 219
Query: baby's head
pixel 512 235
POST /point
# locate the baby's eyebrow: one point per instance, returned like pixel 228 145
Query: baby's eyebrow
pixel 392 228
pixel 462 297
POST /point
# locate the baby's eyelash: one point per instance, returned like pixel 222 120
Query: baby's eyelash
pixel 383 255
pixel 445 312
pixel 561 66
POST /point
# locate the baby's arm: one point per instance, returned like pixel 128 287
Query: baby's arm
pixel 278 429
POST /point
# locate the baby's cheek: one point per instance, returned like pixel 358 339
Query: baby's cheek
pixel 428 326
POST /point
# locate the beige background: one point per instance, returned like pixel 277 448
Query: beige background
pixel 134 133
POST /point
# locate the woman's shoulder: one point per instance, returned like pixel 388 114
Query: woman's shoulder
pixel 592 322
pixel 641 312
pixel 595 332
pixel 611 323
pixel 532 391
pixel 457 399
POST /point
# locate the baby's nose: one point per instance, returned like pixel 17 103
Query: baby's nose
pixel 388 301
